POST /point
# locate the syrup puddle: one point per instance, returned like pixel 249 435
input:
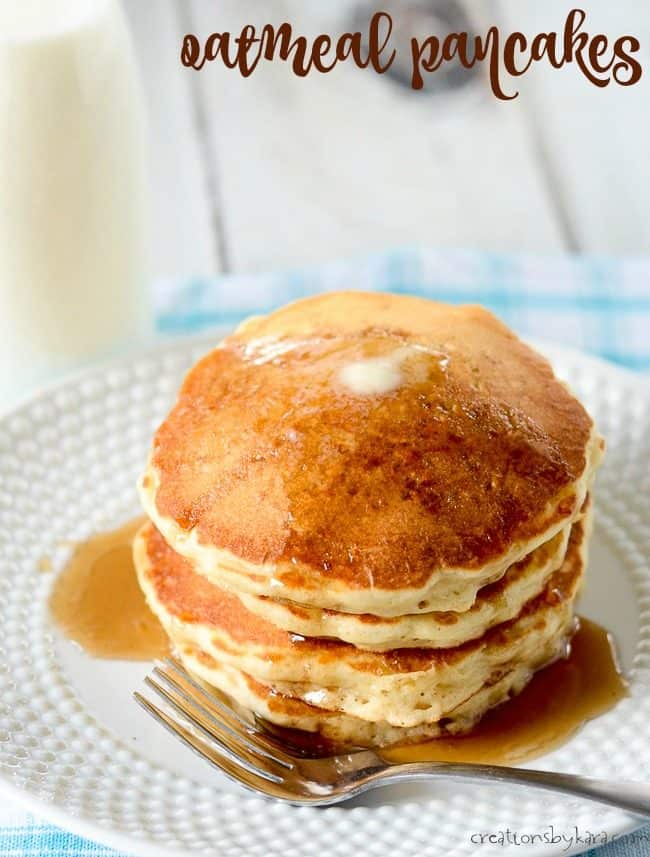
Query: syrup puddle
pixel 96 600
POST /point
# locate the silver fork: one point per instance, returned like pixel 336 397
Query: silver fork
pixel 209 725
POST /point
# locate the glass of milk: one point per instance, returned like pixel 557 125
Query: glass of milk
pixel 73 284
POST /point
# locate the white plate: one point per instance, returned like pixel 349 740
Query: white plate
pixel 77 750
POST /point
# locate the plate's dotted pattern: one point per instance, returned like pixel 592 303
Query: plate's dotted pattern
pixel 68 463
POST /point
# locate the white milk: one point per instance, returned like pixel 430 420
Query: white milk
pixel 72 277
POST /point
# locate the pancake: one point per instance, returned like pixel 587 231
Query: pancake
pixel 344 729
pixel 495 603
pixel 402 687
pixel 369 454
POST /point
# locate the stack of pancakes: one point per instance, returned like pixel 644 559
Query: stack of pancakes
pixel 369 516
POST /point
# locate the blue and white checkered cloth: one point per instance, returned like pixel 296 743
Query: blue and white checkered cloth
pixel 600 305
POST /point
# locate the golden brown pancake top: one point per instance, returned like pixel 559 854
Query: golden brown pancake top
pixel 188 596
pixel 270 456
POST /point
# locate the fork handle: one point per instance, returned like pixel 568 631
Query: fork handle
pixel 631 796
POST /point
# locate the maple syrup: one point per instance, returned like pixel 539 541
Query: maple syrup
pixel 96 600
pixel 559 699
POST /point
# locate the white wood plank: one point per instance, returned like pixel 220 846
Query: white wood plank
pixel 596 141
pixel 349 162
pixel 183 239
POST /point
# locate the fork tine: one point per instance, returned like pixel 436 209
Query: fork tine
pixel 220 713
pixel 213 730
pixel 220 758
pixel 212 726
pixel 212 696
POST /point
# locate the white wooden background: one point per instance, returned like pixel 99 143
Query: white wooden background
pixel 275 171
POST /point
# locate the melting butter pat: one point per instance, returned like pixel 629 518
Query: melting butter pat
pixel 375 375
